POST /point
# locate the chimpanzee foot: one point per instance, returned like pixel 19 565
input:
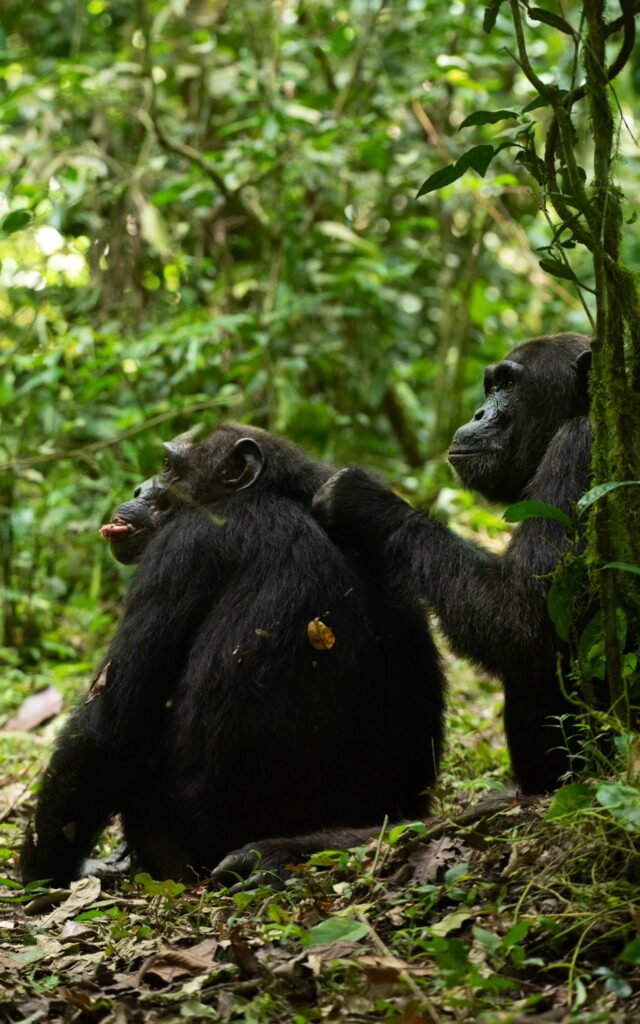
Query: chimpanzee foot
pixel 256 864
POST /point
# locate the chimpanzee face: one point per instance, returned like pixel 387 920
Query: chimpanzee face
pixel 192 475
pixel 481 451
pixel 527 397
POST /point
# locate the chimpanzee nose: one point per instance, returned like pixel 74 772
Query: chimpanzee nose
pixel 144 489
pixel 478 414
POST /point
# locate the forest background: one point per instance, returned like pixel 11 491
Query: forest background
pixel 210 211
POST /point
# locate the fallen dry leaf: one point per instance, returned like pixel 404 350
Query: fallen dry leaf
pixel 35 710
pixel 98 684
pixel 168 963
pixel 428 860
pixel 82 894
pixel 73 932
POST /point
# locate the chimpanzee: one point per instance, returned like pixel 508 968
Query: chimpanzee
pixel 258 683
pixel 530 439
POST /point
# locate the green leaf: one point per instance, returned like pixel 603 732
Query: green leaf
pixel 557 269
pixel 334 229
pixel 491 15
pixel 15 221
pixel 622 802
pixel 445 176
pixel 153 229
pixel 450 922
pixel 535 104
pixel 154 888
pixel 337 929
pixel 398 831
pixel 479 158
pixel 597 492
pixel 489 940
pixel 631 952
pixel 535 510
pixel 487 117
pixel 624 566
pixel 557 606
pixel 538 14
pixel 569 800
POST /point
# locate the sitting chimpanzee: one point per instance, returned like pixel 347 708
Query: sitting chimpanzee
pixel 257 684
pixel 531 439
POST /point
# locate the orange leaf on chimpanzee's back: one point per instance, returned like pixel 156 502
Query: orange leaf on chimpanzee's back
pixel 320 636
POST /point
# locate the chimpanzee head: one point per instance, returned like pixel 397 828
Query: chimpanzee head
pixel 236 461
pixel 538 386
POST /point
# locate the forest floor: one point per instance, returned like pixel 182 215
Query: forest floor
pixel 512 912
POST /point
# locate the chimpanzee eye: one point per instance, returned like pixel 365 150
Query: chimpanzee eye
pixel 166 464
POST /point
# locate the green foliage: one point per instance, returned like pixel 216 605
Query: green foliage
pixel 167 887
pixel 336 929
pixel 214 216
pixel 536 510
pixel 569 800
pixel 622 802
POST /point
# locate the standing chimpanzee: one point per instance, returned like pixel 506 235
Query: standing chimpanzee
pixel 257 684
pixel 531 439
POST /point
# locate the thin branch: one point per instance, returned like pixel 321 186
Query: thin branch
pixel 109 442
pixel 548 92
pixel 363 42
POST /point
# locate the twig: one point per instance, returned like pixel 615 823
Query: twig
pixel 345 92
pixel 548 92
pixel 95 446
pixel 384 950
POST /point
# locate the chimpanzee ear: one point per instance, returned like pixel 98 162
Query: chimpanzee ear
pixel 243 465
pixel 582 367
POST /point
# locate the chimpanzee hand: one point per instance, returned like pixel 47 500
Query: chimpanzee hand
pixel 356 508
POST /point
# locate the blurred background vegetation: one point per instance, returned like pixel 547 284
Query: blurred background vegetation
pixel 210 212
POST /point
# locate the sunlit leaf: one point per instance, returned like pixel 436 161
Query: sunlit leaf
pixel 153 228
pixel 15 221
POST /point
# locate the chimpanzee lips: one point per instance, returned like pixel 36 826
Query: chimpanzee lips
pixel 116 529
pixel 465 453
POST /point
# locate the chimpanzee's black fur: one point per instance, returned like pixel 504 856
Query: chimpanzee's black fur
pixel 530 440
pixel 213 720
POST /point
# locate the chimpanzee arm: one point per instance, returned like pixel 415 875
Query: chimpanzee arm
pixel 110 735
pixel 180 576
pixel 76 800
pixel 492 607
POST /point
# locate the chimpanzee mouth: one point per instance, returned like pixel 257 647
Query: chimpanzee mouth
pixel 117 529
pixel 466 453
